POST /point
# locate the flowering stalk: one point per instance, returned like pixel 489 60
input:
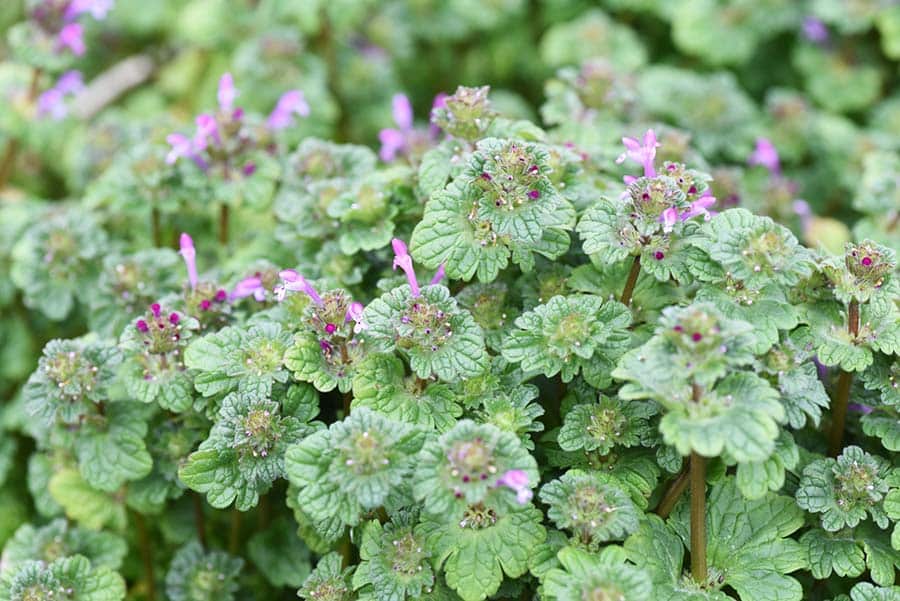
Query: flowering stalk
pixel 631 281
pixel 842 390
pixel 698 509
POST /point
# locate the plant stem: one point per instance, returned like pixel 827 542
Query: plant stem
pixel 698 518
pixel 348 399
pixel 674 492
pixel 224 211
pixel 146 555
pixel 234 536
pixel 13 144
pixel 347 550
pixel 631 281
pixel 842 390
pixel 199 518
pixel 155 227
pixel 264 513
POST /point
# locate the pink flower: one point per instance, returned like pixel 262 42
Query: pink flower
pixel 97 8
pixel 355 313
pixel 293 281
pixel 182 146
pixel 71 36
pixel 227 93
pixel 190 258
pixel 671 216
pixel 815 30
pixel 643 153
pixel 207 129
pixel 765 155
pixel 291 103
pixel 404 262
pixel 518 481
pixel 250 286
pixel 395 141
pixel 52 101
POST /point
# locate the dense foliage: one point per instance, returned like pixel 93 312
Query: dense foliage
pixel 621 326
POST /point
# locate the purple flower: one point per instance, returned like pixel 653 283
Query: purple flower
pixel 190 258
pixel 860 408
pixel 227 93
pixel 97 8
pixel 802 210
pixel 206 128
pixel 765 155
pixel 404 262
pixel 182 146
pixel 293 281
pixel 142 326
pixel 291 103
pixel 396 141
pixel 643 153
pixel 250 286
pixel 355 313
pixel 518 481
pixel 71 36
pixel 671 216
pixel 52 101
pixel 815 30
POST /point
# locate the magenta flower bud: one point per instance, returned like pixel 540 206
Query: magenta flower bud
pixel 249 169
pixel 518 481
pixel 534 194
pixel 330 328
pixel 71 36
pixel 190 258
pixel 659 255
pixel 404 262
pixel 227 93
pixel 696 336
pixel 765 155
pixel 174 318
pixel 642 153
pixel 438 275
pixel 220 296
pixel 142 326
pixel 293 281
pixel 155 309
pixel 205 304
pixel 291 103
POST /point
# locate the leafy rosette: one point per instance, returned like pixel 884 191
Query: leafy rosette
pixel 327 349
pixel 153 368
pixel 249 358
pixel 590 509
pixel 503 206
pixel 569 335
pixel 64 578
pixel 598 427
pixel 878 333
pixel 605 575
pixel 467 465
pixel 751 249
pixel 56 259
pixel 788 367
pixel 197 574
pixel 58 539
pixel 395 563
pixel 355 466
pixel 245 451
pixel 865 273
pixel 847 489
pixel 436 336
pixel 72 378
pixel 328 582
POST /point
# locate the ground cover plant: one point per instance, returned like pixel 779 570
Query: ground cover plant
pixel 422 300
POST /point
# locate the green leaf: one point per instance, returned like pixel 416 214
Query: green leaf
pixel 477 546
pixel 604 575
pixel 600 426
pixel 87 506
pixel 748 544
pixel 328 582
pixel 57 539
pixel 111 450
pixel 73 577
pixel 395 563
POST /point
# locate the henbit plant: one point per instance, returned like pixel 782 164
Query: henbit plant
pixel 604 387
